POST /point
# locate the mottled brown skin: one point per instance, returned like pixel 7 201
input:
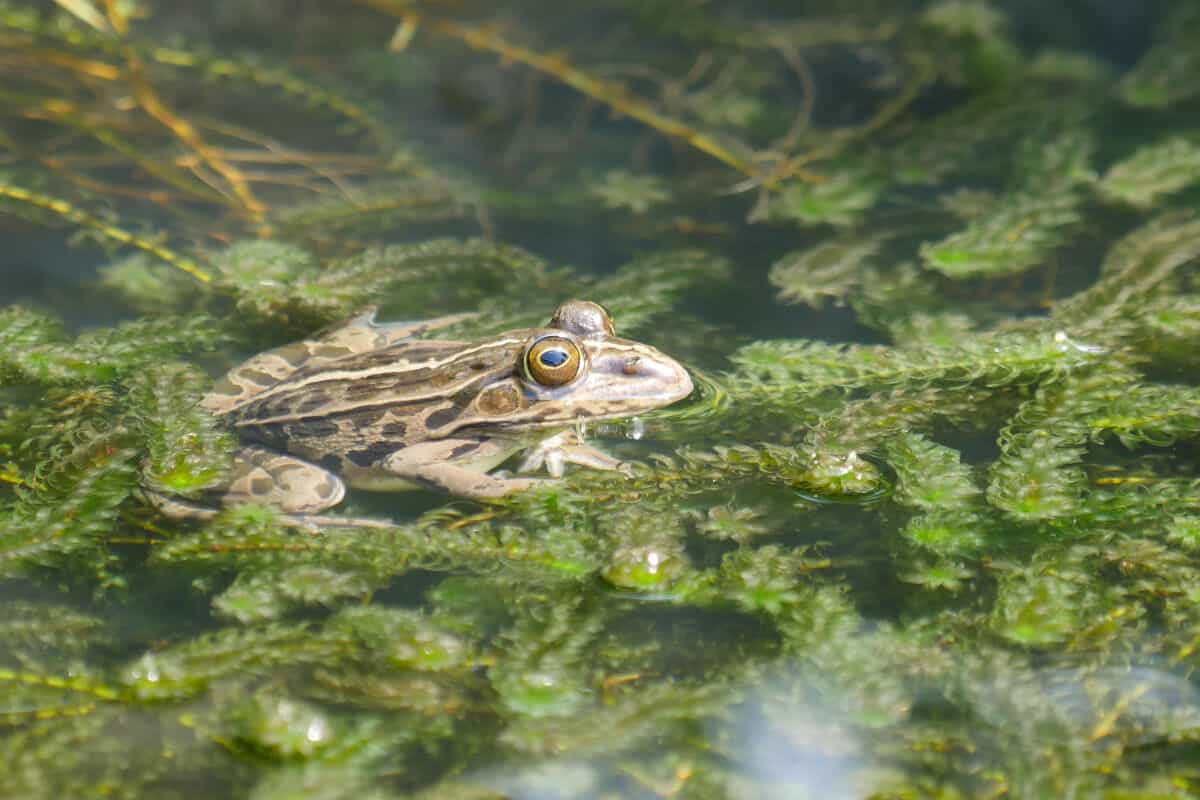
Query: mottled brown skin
pixel 383 410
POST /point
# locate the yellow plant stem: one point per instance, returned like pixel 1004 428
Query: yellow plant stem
pixel 43 714
pixel 65 112
pixel 11 477
pixel 147 98
pixel 89 67
pixel 924 74
pixel 611 94
pixel 79 685
pixel 87 220
pixel 778 167
pixel 289 84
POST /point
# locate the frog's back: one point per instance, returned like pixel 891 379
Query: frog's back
pixel 356 336
pixel 366 405
pixel 409 374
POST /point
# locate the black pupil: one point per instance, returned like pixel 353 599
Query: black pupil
pixel 553 358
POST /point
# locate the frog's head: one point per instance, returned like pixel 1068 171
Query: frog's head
pixel 576 369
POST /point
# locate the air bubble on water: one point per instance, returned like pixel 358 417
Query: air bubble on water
pixel 1064 342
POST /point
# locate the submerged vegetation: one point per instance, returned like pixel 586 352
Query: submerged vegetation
pixel 931 529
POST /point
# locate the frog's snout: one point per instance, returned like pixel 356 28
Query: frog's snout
pixel 655 378
pixel 682 380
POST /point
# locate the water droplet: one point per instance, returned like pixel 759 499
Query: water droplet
pixel 318 731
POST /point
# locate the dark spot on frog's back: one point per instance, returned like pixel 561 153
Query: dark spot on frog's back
pixel 279 434
pixel 372 454
pixel 321 428
pixel 264 409
pixel 365 418
pixel 442 417
pixel 263 433
pixel 362 389
pixel 258 377
pixel 312 402
pixel 394 430
pixel 440 378
pixel 332 463
pixel 405 353
pixel 294 354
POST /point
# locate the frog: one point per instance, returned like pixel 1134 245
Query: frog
pixel 378 406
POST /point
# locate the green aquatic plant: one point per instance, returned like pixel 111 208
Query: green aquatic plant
pixel 936 533
pixel 1022 228
pixel 1157 169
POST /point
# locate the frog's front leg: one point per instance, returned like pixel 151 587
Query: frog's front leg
pixel 458 466
pixel 568 447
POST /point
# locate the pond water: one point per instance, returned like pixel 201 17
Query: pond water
pixel 929 525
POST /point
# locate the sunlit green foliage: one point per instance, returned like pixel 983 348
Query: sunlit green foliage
pixel 837 200
pixel 638 193
pixel 1153 171
pixel 1022 228
pixel 930 476
pixel 936 533
pixel 1140 268
pixel 185 451
pixel 828 270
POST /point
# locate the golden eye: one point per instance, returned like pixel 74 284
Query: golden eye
pixel 553 361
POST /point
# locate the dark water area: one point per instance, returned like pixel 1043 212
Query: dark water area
pixel 927 526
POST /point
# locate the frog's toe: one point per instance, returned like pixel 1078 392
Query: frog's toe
pixel 500 488
pixel 177 508
pixel 487 486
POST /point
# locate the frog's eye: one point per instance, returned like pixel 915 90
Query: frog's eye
pixel 553 361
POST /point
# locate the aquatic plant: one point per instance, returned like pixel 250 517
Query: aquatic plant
pixel 950 551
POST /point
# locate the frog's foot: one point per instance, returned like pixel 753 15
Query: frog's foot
pixel 469 483
pixel 568 447
pixel 298 489
pixel 281 481
pixel 457 466
pixel 314 523
pixel 175 508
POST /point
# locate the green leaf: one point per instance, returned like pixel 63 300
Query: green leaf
pixel 1024 226
pixel 930 476
pixel 188 451
pixel 637 193
pixel 1152 172
pixel 829 270
pixel 1169 72
pixel 839 198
